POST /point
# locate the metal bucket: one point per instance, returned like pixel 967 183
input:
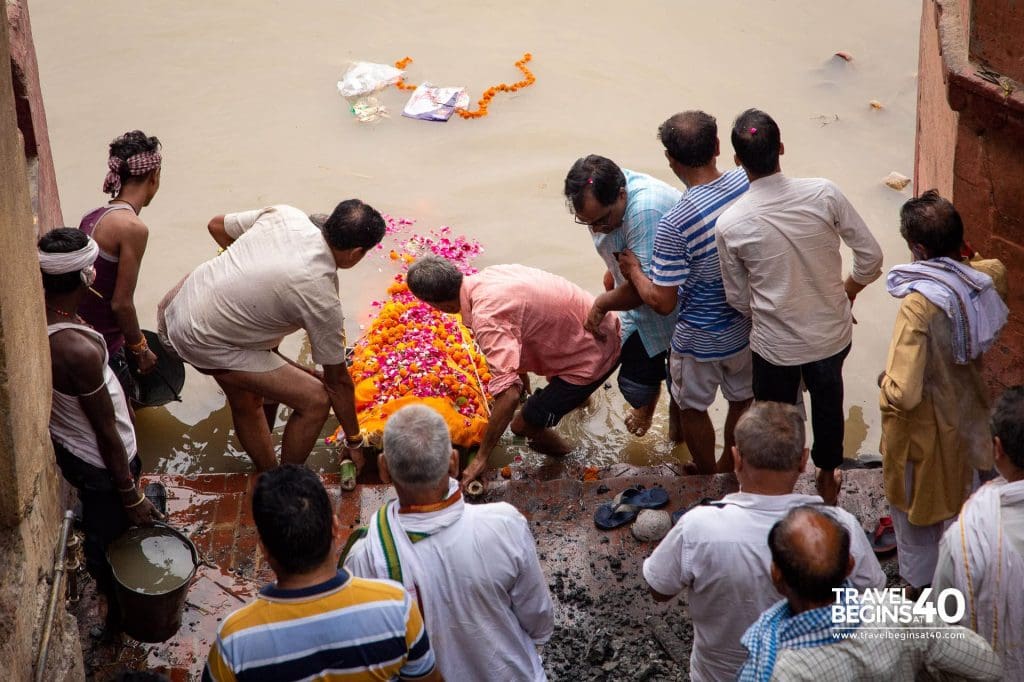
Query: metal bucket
pixel 151 605
pixel 164 383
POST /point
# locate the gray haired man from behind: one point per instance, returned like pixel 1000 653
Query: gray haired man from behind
pixel 473 568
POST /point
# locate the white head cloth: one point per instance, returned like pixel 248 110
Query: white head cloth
pixel 72 261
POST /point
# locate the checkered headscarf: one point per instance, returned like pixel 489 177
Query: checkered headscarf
pixel 139 164
pixel 779 629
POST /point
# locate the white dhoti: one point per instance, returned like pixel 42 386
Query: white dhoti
pixel 917 546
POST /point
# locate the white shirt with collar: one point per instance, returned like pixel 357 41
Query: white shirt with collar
pixel 485 599
pixel 719 554
pixel 781 265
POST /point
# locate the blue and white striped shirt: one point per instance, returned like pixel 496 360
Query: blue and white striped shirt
pixel 647 200
pixel 685 255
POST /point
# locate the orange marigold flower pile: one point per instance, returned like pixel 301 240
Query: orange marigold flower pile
pixel 411 353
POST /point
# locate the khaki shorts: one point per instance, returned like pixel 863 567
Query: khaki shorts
pixel 694 383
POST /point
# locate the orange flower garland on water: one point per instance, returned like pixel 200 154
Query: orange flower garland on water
pixel 489 93
pixel 400 83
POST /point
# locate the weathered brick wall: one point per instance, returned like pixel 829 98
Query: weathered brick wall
pixel 970 143
pixel 997 34
pixel 936 121
pixel 30 513
pixel 32 119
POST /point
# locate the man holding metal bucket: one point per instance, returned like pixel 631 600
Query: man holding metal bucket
pixel 90 424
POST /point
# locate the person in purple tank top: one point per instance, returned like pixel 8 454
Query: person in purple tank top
pixel 132 181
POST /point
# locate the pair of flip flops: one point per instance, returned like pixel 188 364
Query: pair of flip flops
pixel 883 539
pixel 626 505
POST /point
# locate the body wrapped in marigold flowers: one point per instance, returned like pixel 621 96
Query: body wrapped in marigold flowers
pixel 411 353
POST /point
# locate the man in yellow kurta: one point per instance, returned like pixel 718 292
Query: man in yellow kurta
pixel 934 402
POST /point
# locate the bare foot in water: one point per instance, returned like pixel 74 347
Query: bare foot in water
pixel 639 419
pixel 675 426
pixel 549 442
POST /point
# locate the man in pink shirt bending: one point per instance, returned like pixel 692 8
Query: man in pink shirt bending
pixel 524 320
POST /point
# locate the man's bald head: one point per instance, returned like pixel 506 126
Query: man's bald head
pixel 690 137
pixel 811 551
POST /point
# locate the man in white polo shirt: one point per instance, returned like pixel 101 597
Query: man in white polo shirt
pixel 781 266
pixel 278 274
pixel 718 553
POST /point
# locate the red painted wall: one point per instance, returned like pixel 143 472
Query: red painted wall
pixel 32 118
pixel 970 142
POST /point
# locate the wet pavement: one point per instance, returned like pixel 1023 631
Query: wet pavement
pixel 607 627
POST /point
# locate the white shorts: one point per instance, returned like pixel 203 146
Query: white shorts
pixel 695 382
pixel 207 359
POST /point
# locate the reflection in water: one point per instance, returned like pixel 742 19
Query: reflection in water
pixel 856 433
pixel 243 97
pixel 151 560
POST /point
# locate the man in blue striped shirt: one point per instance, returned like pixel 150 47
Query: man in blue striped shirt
pixel 317 622
pixel 710 346
pixel 621 209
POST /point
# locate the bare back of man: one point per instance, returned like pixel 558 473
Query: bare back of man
pixel 77 365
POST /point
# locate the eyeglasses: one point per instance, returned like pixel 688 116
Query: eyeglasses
pixel 600 222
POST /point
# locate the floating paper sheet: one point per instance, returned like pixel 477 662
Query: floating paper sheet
pixel 430 103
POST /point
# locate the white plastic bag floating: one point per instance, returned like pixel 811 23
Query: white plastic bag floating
pixel 365 77
pixel 430 103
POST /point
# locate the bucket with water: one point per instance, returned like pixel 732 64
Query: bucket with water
pixel 153 567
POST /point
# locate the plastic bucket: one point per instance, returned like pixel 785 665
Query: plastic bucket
pixel 153 567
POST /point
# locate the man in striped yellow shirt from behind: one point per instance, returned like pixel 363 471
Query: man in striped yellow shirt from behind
pixel 316 622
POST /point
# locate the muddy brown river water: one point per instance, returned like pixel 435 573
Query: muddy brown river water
pixel 243 97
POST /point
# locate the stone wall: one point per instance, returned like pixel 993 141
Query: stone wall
pixel 30 510
pixel 32 119
pixel 970 142
pixel 997 29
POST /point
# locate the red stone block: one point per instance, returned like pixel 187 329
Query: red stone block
pixel 210 483
pixel 229 509
pixel 348 509
pixel 221 547
pixel 996 30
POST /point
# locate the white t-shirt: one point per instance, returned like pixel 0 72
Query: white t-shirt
pixel 720 556
pixel 486 603
pixel 278 276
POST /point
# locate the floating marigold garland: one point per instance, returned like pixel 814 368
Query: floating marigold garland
pixel 413 354
pixel 400 83
pixel 489 93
